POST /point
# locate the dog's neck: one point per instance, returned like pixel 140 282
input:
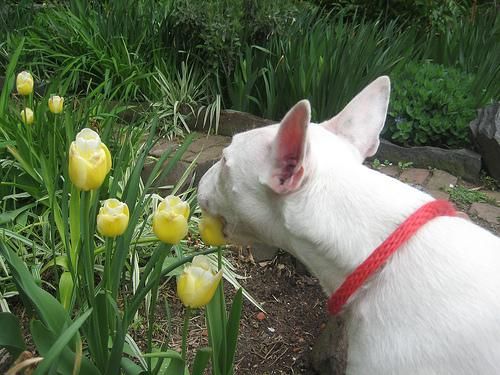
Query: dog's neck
pixel 363 208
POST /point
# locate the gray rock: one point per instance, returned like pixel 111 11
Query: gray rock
pixel 203 151
pixel 171 179
pixel 486 134
pixel 231 122
pixel 261 252
pixel 463 163
pixel 329 354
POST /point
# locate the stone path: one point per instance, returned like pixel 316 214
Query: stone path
pixel 204 151
pixel 486 211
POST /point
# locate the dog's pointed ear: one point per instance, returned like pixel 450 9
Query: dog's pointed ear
pixel 362 120
pixel 288 150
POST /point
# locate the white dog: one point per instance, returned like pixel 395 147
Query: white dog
pixel 432 308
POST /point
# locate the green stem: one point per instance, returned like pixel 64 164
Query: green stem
pixel 185 330
pixel 108 251
pixel 150 265
pixel 88 274
pixel 155 277
pixel 28 130
pixel 223 317
pixel 131 309
pixel 85 249
pixel 140 241
pixel 108 245
pixel 141 293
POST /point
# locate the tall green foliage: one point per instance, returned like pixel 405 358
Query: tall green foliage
pixel 326 59
pixel 473 46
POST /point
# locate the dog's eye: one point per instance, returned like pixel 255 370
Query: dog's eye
pixel 223 160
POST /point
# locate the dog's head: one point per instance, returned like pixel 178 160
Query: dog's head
pixel 265 172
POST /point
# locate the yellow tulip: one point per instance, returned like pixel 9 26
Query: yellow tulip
pixel 198 282
pixel 211 230
pixel 56 104
pixel 170 220
pixel 27 116
pixel 24 83
pixel 112 219
pixel 89 160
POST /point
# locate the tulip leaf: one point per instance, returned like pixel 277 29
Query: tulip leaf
pixel 48 308
pixel 11 337
pixel 4 144
pixel 55 349
pixel 9 216
pixel 66 285
pixel 132 349
pixel 215 325
pixel 233 326
pixel 130 368
pixel 61 261
pixel 9 78
pixel 201 360
pixel 167 354
pixel 24 164
pixel 168 262
pixel 175 365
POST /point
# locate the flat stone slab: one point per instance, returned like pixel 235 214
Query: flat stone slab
pixel 390 170
pixel 486 211
pixel 416 176
pixel 441 180
pixel 232 122
pixel 439 194
pixel 462 163
pixel 203 151
pixel 493 195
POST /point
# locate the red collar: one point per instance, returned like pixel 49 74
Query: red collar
pixel 380 255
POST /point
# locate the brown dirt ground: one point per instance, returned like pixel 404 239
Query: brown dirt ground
pixel 276 342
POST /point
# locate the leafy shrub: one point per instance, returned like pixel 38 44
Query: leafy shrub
pixel 215 30
pixel 471 45
pixel 430 105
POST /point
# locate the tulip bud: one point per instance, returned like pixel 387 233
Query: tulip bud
pixel 210 229
pixel 89 160
pixel 66 285
pixel 24 83
pixel 56 104
pixel 112 219
pixel 170 220
pixel 27 116
pixel 198 282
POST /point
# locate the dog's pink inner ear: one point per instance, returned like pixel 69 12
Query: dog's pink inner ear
pixel 287 169
pixel 362 120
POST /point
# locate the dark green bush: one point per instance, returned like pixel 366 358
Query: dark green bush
pixel 427 14
pixel 471 45
pixel 215 30
pixel 430 105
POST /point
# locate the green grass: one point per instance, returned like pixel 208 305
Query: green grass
pixel 465 196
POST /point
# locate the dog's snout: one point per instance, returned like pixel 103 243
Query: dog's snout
pixel 206 189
